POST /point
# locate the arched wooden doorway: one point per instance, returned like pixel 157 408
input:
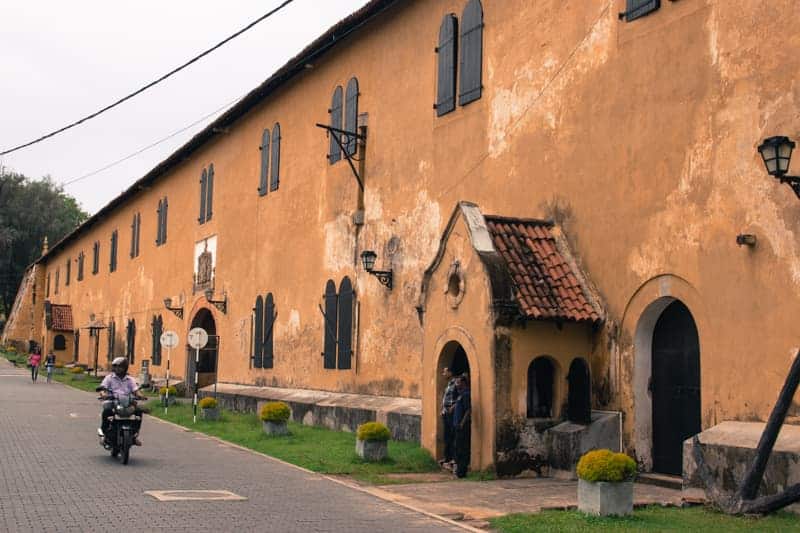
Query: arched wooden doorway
pixel 675 386
pixel 453 357
pixel 207 367
pixel 579 393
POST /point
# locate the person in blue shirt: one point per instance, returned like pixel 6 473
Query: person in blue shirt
pixel 119 384
pixel 462 415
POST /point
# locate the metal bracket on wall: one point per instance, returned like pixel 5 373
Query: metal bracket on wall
pixel 349 157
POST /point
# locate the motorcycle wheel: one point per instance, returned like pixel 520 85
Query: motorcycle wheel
pixel 127 442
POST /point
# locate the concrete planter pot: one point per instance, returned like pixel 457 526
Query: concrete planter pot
pixel 58 371
pixel 210 413
pixel 167 400
pixel 605 498
pixel 275 428
pixel 79 377
pixel 372 450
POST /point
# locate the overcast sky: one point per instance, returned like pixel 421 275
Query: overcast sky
pixel 63 60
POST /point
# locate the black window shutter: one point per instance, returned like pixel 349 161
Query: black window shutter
pixel 69 265
pixel 158 227
pixel 131 345
pixel 133 237
pixel 276 157
pixel 471 52
pixel 258 334
pixel 112 261
pixel 203 180
pixel 331 307
pixel 269 323
pixel 262 178
pixel 138 231
pixel 164 221
pixel 351 115
pixel 209 191
pixel 153 340
pixel 346 300
pixel 111 333
pixel 635 9
pixel 447 52
pixel 335 152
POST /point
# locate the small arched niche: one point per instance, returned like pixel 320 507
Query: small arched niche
pixel 541 388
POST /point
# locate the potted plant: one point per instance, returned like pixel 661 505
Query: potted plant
pixel 274 415
pixel 58 368
pixel 605 483
pixel 77 373
pixel 371 441
pixel 168 395
pixel 209 409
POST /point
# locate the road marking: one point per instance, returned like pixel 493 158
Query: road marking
pixel 13 375
pixel 194 495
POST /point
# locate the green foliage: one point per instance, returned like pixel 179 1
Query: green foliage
pixel 275 412
pixel 605 465
pixel 317 449
pixel 29 211
pixel 373 431
pixel 172 391
pixel 654 518
pixel 208 402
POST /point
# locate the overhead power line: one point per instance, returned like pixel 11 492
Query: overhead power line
pixel 151 84
pixel 151 145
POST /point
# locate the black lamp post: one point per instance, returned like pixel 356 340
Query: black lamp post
pixel 384 276
pixel 777 154
pixel 222 305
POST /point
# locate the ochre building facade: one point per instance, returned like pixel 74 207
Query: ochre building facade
pixel 483 141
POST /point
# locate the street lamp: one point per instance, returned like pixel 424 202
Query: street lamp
pixel 222 305
pixel 384 276
pixel 777 154
pixel 177 310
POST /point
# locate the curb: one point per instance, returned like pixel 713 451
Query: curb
pixel 335 480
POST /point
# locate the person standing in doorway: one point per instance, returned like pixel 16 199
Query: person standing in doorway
pixel 462 415
pixel 33 361
pixel 448 403
pixel 49 364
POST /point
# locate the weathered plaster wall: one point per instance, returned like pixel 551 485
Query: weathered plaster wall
pixel 638 138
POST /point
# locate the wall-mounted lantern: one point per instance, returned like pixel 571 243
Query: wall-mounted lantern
pixel 384 276
pixel 177 310
pixel 777 153
pixel 746 239
pixel 222 305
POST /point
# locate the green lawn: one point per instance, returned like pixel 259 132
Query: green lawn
pixel 646 519
pixel 318 449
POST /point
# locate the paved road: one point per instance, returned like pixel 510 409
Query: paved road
pixel 55 477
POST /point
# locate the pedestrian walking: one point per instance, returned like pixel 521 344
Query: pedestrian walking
pixel 49 364
pixel 33 361
pixel 448 403
pixel 462 414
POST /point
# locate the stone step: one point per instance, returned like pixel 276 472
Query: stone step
pixel 660 480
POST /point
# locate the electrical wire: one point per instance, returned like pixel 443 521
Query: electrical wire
pixel 151 84
pixel 151 145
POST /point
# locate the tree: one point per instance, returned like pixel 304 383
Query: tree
pixel 29 211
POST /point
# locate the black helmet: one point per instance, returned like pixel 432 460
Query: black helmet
pixel 120 362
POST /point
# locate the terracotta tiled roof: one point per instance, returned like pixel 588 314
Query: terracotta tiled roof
pixel 62 317
pixel 546 286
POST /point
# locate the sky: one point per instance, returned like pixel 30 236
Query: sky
pixel 60 61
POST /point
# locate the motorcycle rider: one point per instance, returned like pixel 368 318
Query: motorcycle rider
pixel 119 384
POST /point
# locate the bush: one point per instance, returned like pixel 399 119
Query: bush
pixel 76 370
pixel 605 465
pixel 373 431
pixel 207 403
pixel 59 365
pixel 172 391
pixel 275 412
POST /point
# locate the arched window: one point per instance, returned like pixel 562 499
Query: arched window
pixel 471 52
pixel 351 115
pixel 276 157
pixel 541 380
pixel 345 338
pixel 269 323
pixel 258 333
pixel 59 342
pixel 579 396
pixel 335 152
pixel 262 179
pixel 158 329
pixel 446 50
pixel 330 322
pixel 130 346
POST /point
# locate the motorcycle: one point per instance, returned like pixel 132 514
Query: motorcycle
pixel 121 431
